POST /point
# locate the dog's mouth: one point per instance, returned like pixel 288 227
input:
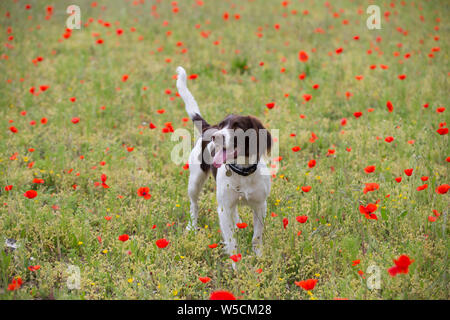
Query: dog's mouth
pixel 221 156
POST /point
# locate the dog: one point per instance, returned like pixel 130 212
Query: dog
pixel 233 151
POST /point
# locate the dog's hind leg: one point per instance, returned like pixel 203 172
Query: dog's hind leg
pixel 197 178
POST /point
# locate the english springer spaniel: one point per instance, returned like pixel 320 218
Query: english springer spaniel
pixel 232 150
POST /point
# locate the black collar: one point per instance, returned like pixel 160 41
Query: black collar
pixel 243 171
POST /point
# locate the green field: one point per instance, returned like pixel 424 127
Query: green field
pixel 243 61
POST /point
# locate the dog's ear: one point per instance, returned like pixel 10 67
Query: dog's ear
pixel 262 133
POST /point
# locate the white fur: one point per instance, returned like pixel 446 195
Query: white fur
pixel 251 190
pixel 191 104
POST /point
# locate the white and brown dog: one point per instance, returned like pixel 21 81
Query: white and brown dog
pixel 233 151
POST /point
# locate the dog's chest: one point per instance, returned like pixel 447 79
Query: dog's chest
pixel 246 189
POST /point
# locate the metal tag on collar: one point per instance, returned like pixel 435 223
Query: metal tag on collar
pixel 228 173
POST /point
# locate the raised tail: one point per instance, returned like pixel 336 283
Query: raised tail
pixel 191 105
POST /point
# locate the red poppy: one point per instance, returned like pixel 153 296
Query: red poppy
pixel 15 284
pixel 368 211
pixel 442 131
pixel 8 188
pixel 371 187
pixel 390 106
pixel 301 219
pixel 443 189
pixel 285 222
pixel 296 149
pixel 162 243
pixel 204 279
pixel 355 262
pixel 241 225
pixel 144 192
pixel 222 295
pixel 369 169
pixel 401 265
pixel 422 187
pixel 357 114
pixel 306 284
pixel 302 56
pixel 124 237
pixel 75 120
pixel 408 172
pixel 306 188
pixel 30 194
pixel 34 268
pixel 212 246
pixel 312 163
pixel 270 105
pixel 236 257
pixel 389 139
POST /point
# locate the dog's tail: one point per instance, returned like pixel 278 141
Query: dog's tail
pixel 191 105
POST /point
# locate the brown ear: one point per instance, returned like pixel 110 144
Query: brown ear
pixel 257 125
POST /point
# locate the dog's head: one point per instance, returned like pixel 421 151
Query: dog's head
pixel 242 139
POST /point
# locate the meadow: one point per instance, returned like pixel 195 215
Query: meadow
pixel 87 117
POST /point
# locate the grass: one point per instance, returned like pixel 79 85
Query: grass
pixel 60 226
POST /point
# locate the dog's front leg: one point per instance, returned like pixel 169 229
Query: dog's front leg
pixel 259 213
pixel 226 213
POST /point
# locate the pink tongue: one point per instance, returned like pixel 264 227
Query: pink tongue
pixel 219 158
